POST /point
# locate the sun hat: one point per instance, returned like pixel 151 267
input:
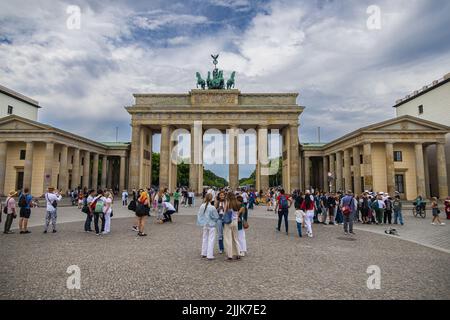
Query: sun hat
pixel 12 193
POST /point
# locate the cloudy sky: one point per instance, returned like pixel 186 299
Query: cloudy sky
pixel 348 75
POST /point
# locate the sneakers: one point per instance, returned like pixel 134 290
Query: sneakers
pixel 54 231
pixel 105 232
pixel 442 224
pixel 310 235
pixel 135 228
pixel 351 232
pixel 346 233
pixel 45 231
pixel 433 223
pixel 140 234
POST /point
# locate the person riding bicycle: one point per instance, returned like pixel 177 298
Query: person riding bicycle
pixel 419 203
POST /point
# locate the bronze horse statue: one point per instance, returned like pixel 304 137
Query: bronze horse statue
pixel 230 82
pixel 200 81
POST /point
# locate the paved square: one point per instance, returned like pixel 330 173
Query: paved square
pixel 167 263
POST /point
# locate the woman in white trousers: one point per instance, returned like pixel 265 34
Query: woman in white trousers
pixel 107 210
pixel 207 217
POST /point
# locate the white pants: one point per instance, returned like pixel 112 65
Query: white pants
pixel 209 236
pixel 242 241
pixel 108 221
pixel 309 220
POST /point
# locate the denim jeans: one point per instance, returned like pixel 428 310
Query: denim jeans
pixel 339 218
pixel 299 229
pixel 348 222
pixel 98 215
pixel 88 222
pixel 398 217
pixel 220 232
pixel 283 213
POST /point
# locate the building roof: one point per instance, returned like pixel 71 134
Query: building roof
pixel 19 96
pixel 425 89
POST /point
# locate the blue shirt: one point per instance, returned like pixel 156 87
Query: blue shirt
pixel 28 199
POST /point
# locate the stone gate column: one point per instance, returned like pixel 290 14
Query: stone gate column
pixel 357 170
pixel 3 150
pixel 193 179
pixel 48 165
pixel 262 166
pixel 164 160
pixel 294 158
pixel 104 171
pixel 135 157
pixel 86 169
pixel 441 170
pixel 28 168
pixel 333 172
pixel 76 169
pixel 390 169
pixel 95 171
pixel 234 158
pixel 63 172
pixel 325 170
pixel 367 159
pixel 122 174
pixel 347 170
pixel 339 185
pixel 307 173
pixel 420 169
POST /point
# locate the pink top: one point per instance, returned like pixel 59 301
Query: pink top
pixel 11 204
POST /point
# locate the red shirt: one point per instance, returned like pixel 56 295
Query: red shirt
pixel 310 207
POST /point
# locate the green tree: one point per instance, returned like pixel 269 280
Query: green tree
pixel 155 168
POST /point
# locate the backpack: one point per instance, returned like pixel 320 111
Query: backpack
pixel 99 204
pixel 22 201
pixel 283 202
pixel 347 209
pixel 375 205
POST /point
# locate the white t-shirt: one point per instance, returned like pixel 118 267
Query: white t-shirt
pixel 107 207
pixel 190 194
pixel 381 204
pixel 124 195
pixel 50 197
pixel 168 206
pixel 245 197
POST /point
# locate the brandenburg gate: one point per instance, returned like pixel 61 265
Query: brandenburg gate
pixel 220 108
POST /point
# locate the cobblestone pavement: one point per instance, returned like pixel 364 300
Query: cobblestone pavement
pixel 167 263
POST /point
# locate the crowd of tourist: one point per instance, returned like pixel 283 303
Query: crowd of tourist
pixel 223 214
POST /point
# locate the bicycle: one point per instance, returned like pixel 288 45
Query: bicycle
pixel 419 211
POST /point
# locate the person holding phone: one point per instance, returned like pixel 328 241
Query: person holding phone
pixel 52 198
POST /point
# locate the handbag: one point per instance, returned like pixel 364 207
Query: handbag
pixel 228 217
pixel 85 209
pixel 5 209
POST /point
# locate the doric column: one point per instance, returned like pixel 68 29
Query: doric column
pixel 3 149
pixel 326 186
pixel 367 159
pixel 262 165
pixel 110 183
pixel 420 170
pixel 339 185
pixel 95 171
pixel 86 169
pixel 390 169
pixel 164 160
pixel 441 170
pixel 234 158
pixel 356 170
pixel 193 179
pixel 28 168
pixel 135 157
pixel 347 170
pixel 104 171
pixel 122 174
pixel 333 173
pixel 63 173
pixel 294 158
pixel 76 169
pixel 427 172
pixel 307 173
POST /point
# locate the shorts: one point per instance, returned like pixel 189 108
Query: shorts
pixel 25 213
